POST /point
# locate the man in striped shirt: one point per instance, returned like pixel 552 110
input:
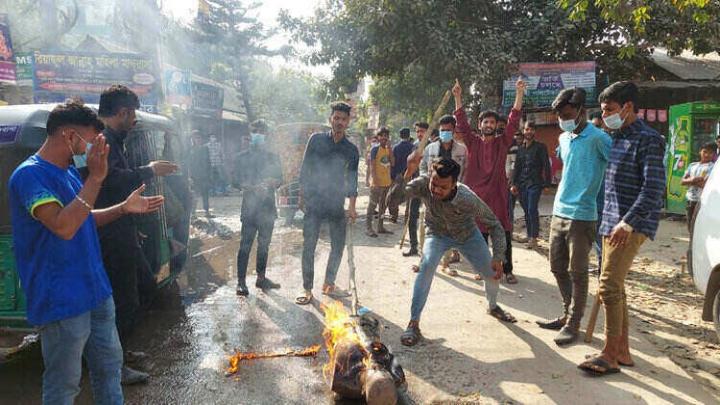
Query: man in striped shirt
pixel 634 186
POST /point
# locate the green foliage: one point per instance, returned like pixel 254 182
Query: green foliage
pixel 674 24
pixel 414 49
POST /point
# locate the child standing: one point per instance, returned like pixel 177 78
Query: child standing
pixel 695 178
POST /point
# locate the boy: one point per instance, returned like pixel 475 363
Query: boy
pixel 695 177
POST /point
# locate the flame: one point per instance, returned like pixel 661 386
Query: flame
pixel 338 327
pixel 235 359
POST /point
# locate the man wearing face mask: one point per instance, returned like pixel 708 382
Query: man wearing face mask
pixel 530 176
pixel 634 188
pixel 446 148
pixel 485 169
pixel 258 174
pixel 58 256
pixel 125 263
pixel 584 150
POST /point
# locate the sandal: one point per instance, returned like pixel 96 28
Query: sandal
pixel 304 298
pixel 598 367
pixel 334 292
pixel 411 336
pixel 630 364
pixel 450 272
pixel 501 315
pixel 511 279
pixel 454 257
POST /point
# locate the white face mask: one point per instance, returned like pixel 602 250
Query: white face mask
pixel 568 125
pixel 614 121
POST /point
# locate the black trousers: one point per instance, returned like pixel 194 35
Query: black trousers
pixel 131 281
pixel 260 226
pixel 414 216
pixel 508 265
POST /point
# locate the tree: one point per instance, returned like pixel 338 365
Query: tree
pixel 284 95
pixel 226 33
pixel 417 48
pixel 674 24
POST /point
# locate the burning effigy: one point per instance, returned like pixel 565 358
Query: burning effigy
pixel 360 365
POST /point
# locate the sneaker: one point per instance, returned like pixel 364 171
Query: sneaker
pixel 131 377
pixel 555 324
pixel 266 284
pixel 412 252
pixel 242 290
pixel 566 336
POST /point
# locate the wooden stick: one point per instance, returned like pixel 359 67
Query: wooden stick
pixel 407 223
pixel 593 319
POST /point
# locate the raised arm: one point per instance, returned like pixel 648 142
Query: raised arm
pixel 462 128
pixel 515 114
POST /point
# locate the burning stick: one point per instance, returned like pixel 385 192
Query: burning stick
pixel 235 359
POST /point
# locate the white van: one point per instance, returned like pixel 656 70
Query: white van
pixel 704 255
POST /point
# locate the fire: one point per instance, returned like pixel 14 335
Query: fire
pixel 338 327
pixel 235 359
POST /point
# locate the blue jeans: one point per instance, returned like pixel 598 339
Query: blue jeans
pixel 91 335
pixel 311 232
pixel 477 253
pixel 529 199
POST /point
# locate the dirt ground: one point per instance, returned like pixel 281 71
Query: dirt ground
pixel 466 356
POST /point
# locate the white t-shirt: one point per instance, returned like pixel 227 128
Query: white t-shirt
pixel 697 169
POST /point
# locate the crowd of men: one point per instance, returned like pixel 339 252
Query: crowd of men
pixel 83 271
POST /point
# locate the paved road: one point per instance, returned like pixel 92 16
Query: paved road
pixel 466 355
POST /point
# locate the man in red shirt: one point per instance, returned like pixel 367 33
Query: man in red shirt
pixel 485 167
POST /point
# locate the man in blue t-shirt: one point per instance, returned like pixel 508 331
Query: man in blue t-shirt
pixel 58 255
pixel 584 151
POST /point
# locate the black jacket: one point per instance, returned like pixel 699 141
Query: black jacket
pixel 253 167
pixel 532 166
pixel 121 180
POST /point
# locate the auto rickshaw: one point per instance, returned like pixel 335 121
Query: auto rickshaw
pixel 163 235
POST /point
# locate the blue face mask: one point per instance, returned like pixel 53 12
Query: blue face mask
pixel 446 136
pixel 257 139
pixel 80 161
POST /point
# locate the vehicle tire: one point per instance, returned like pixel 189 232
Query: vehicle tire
pixel 716 314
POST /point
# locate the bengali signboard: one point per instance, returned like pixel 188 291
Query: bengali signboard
pixel 545 80
pixel 207 100
pixel 7 59
pixel 178 87
pixel 60 75
pixel 24 68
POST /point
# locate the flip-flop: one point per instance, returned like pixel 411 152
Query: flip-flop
pixel 501 315
pixel 410 337
pixel 450 272
pixel 598 367
pixel 590 356
pixel 304 298
pixel 334 292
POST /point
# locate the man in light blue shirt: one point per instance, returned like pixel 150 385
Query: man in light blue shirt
pixel 584 151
